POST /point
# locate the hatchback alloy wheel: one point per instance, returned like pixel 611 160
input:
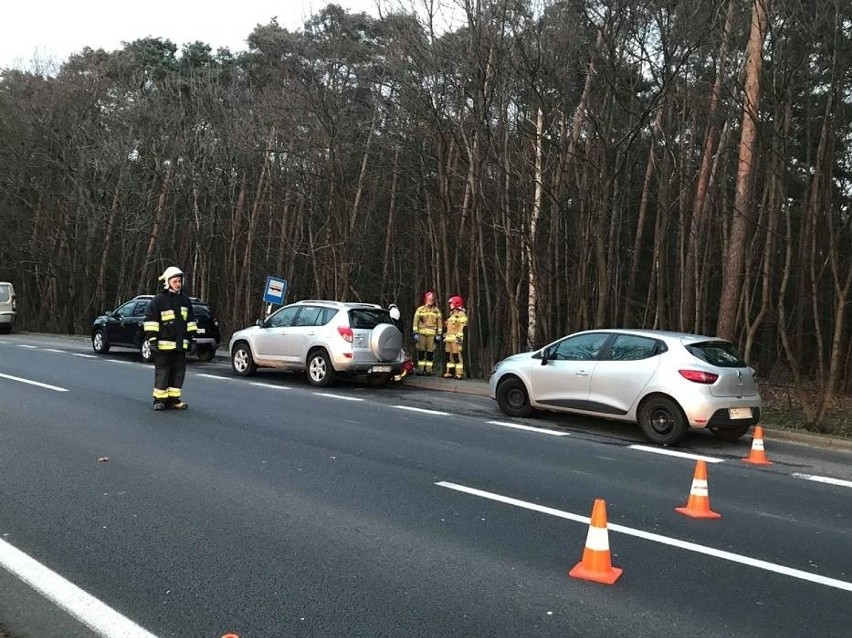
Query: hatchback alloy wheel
pixel 100 343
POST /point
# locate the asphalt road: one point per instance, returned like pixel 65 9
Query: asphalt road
pixel 270 508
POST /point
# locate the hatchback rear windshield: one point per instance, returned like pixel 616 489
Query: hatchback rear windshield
pixel 368 318
pixel 717 353
pixel 4 292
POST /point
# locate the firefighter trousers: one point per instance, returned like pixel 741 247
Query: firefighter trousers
pixel 169 372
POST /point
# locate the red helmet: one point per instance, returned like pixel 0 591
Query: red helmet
pixel 456 302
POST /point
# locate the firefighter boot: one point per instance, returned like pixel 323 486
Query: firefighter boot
pixel 159 405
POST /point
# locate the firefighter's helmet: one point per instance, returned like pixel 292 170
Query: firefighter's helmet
pixel 169 273
pixel 456 301
pixel 393 311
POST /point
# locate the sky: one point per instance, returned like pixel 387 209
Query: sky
pixel 45 31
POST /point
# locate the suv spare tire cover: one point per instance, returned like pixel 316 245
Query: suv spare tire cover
pixel 385 342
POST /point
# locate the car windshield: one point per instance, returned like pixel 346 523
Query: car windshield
pixel 4 293
pixel 368 318
pixel 717 353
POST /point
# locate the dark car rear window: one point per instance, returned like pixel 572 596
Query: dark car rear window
pixel 202 312
pixel 368 318
pixel 717 353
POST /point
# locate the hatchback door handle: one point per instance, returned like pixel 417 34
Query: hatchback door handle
pixel 582 373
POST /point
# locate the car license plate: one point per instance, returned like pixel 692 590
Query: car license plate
pixel 739 413
pixel 201 331
pixel 380 369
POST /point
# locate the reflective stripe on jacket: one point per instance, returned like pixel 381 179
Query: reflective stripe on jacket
pixel 456 323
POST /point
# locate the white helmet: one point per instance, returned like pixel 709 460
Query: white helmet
pixel 393 311
pixel 171 271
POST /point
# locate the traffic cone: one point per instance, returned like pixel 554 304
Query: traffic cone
pixel 698 505
pixel 757 455
pixel 597 564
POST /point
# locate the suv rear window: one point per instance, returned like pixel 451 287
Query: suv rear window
pixel 368 318
pixel 201 312
pixel 4 292
pixel 717 353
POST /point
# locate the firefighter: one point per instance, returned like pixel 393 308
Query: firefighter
pixel 456 323
pixel 170 329
pixel 428 324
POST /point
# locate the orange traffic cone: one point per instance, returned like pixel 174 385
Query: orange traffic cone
pixel 698 505
pixel 757 455
pixel 596 564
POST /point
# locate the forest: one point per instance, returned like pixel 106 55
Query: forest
pixel 561 164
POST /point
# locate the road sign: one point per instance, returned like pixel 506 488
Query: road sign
pixel 275 290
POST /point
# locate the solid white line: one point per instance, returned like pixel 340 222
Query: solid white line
pixel 83 606
pixel 337 396
pixel 657 538
pixel 85 356
pixel 36 383
pixel 422 410
pixel 683 455
pixel 24 345
pixel 823 479
pixel 528 428
pixel 270 386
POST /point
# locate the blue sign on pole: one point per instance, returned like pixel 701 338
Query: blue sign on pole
pixel 275 290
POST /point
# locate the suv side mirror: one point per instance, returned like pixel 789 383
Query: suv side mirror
pixel 545 355
pixel 259 323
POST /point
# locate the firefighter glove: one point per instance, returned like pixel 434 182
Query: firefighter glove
pixel 416 337
pixel 437 337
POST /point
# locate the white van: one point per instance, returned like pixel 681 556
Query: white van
pixel 8 307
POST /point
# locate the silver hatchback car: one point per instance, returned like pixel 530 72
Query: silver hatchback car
pixel 666 382
pixel 324 339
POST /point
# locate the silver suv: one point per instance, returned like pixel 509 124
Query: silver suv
pixel 8 307
pixel 322 339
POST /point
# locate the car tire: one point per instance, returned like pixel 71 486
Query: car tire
pixel 513 398
pixel 319 369
pixel 100 343
pixel 146 352
pixel 662 421
pixel 206 354
pixel 730 434
pixel 385 342
pixel 242 363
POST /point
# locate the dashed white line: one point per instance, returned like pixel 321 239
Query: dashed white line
pixel 47 386
pixel 337 396
pixel 270 386
pixel 823 479
pixel 683 455
pixel 421 410
pixel 215 376
pixel 27 346
pixel 84 356
pixel 658 538
pixel 90 611
pixel 54 350
pixel 528 428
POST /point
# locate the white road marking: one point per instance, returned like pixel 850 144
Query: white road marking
pixel 215 376
pixel 421 410
pixel 270 386
pixel 528 428
pixel 36 383
pixel 85 356
pixel 90 611
pixel 127 363
pixel 25 345
pixel 683 455
pixel 54 350
pixel 823 479
pixel 658 538
pixel 337 396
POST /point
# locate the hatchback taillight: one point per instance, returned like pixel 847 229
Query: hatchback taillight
pixel 699 376
pixel 14 303
pixel 346 333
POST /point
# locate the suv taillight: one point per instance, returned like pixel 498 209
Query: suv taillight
pixel 14 303
pixel 699 376
pixel 346 333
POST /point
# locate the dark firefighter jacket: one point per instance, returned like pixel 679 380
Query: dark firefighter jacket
pixel 169 319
